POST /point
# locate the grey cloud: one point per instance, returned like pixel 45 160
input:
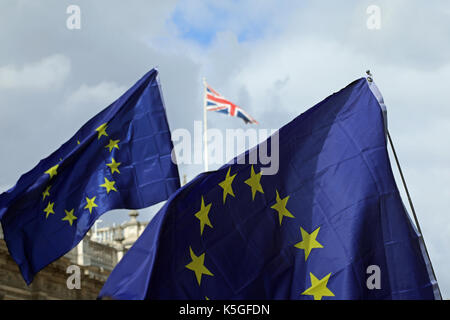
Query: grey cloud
pixel 50 72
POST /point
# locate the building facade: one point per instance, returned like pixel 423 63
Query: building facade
pixel 95 257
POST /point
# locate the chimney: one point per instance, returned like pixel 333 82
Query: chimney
pixel 133 216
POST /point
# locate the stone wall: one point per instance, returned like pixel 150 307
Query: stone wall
pixel 50 283
pixel 96 256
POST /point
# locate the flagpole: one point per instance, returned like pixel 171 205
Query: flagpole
pixel 416 220
pixel 205 129
pixel 380 99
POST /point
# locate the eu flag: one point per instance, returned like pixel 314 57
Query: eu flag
pixel 121 158
pixel 330 224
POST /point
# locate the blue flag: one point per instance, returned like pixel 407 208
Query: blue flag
pixel 121 158
pixel 330 224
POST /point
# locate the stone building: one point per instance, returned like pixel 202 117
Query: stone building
pixel 120 237
pixel 96 255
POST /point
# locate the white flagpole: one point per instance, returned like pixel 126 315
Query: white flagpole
pixel 205 129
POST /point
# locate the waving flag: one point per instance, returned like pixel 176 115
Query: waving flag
pixel 121 158
pixel 215 102
pixel 315 230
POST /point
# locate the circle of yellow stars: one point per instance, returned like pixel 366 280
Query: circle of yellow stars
pixel 308 243
pixel 90 201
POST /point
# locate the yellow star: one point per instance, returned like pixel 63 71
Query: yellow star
pixel 308 242
pixel 114 166
pixel 318 287
pixel 49 209
pixel 78 141
pixel 52 171
pixel 280 206
pixel 226 185
pixel 69 216
pixel 202 215
pixel 102 130
pixel 254 182
pixel 46 193
pixel 112 144
pixel 90 204
pixel 197 265
pixel 109 185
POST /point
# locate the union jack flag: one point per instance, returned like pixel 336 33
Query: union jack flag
pixel 215 102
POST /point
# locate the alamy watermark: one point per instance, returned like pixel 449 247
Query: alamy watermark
pixel 374 279
pixel 73 22
pixel 263 144
pixel 374 18
pixel 74 280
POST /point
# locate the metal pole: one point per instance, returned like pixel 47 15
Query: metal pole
pixel 404 183
pixel 205 129
pixel 416 220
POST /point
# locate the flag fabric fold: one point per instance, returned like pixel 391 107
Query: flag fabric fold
pixel 329 225
pixel 121 158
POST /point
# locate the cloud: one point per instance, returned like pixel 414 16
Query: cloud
pixel 96 96
pixel 47 73
pixel 200 21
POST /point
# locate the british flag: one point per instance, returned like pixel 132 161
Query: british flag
pixel 215 102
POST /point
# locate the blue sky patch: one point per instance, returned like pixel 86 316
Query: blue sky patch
pixel 216 20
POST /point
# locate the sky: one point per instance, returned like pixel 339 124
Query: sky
pixel 276 59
